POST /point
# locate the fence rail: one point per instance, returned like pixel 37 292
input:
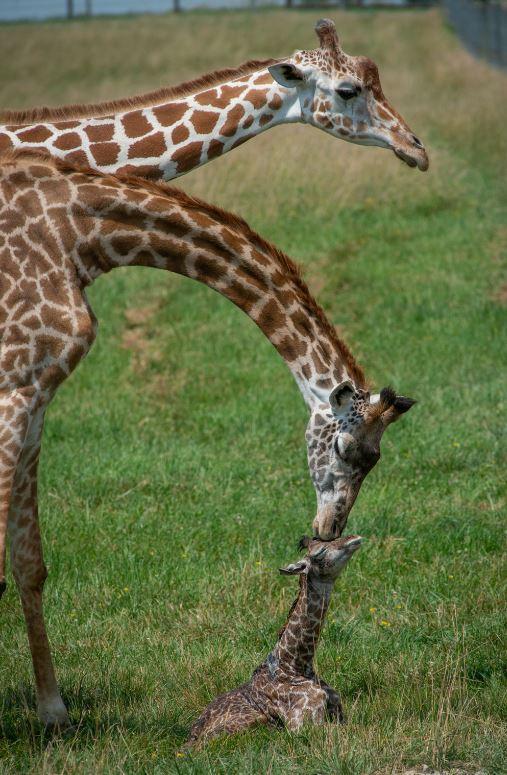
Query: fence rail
pixel 18 10
pixel 482 26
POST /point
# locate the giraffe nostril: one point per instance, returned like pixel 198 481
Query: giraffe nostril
pixel 417 142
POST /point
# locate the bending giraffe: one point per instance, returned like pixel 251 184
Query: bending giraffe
pixel 62 227
pixel 167 133
pixel 285 688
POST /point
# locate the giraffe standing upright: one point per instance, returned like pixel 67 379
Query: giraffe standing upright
pixel 167 133
pixel 60 228
pixel 285 687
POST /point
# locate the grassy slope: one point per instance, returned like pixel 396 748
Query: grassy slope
pixel 173 474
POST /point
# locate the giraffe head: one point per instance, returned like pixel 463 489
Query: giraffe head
pixel 324 560
pixel 342 95
pixel 343 440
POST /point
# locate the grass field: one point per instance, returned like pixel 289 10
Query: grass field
pixel 173 476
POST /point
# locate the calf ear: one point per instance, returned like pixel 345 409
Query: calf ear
pixel 304 542
pixel 286 74
pixel 295 568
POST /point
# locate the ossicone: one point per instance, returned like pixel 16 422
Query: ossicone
pixel 326 33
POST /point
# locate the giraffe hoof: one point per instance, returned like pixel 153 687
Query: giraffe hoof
pixel 59 729
pixel 3 587
pixel 54 717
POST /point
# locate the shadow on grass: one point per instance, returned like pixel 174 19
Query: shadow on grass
pixel 91 718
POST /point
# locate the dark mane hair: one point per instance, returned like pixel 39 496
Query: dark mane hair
pixel 32 115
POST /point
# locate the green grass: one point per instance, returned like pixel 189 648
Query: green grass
pixel 173 475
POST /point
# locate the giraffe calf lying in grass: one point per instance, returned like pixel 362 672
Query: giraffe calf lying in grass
pixel 285 688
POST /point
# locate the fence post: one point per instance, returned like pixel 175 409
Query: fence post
pixel 70 9
pixel 176 6
pixel 88 8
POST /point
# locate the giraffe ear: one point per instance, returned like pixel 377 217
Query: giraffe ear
pixel 295 568
pixel 341 396
pixel 286 74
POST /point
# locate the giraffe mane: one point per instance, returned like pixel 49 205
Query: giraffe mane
pixel 87 110
pixel 287 266
pixel 302 580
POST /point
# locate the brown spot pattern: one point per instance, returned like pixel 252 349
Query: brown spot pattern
pixel 153 145
pixel 215 148
pixel 234 117
pixel 169 114
pixel 179 134
pixel 36 134
pixel 257 97
pixel 275 102
pixel 101 133
pixel 204 121
pixel 67 141
pixel 187 157
pixel 105 153
pixel 136 124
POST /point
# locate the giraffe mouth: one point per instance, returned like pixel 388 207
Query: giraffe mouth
pixel 418 159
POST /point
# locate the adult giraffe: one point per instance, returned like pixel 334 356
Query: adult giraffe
pixel 62 227
pixel 167 133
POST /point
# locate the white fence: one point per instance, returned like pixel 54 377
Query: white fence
pixel 19 10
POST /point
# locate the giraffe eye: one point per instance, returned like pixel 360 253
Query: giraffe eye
pixel 348 91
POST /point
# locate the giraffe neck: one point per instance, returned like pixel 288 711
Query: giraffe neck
pixel 108 223
pixel 298 639
pixel 162 138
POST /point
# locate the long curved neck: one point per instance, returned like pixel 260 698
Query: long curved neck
pixel 162 138
pixel 133 224
pixel 93 223
pixel 299 637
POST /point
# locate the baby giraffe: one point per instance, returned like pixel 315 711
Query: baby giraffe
pixel 285 688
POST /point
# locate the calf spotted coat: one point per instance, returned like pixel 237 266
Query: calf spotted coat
pixel 285 688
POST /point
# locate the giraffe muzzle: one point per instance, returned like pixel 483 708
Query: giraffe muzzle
pixel 329 523
pixel 412 152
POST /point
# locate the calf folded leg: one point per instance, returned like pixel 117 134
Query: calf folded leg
pixel 229 713
pixel 334 709
pixel 304 701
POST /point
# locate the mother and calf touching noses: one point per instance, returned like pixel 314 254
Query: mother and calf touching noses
pixel 82 191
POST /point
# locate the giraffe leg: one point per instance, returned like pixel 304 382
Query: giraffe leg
pixel 30 574
pixel 14 419
pixel 334 709
pixel 227 714
pixel 304 702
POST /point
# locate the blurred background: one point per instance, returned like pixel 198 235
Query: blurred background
pixel 173 474
pixel 481 23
